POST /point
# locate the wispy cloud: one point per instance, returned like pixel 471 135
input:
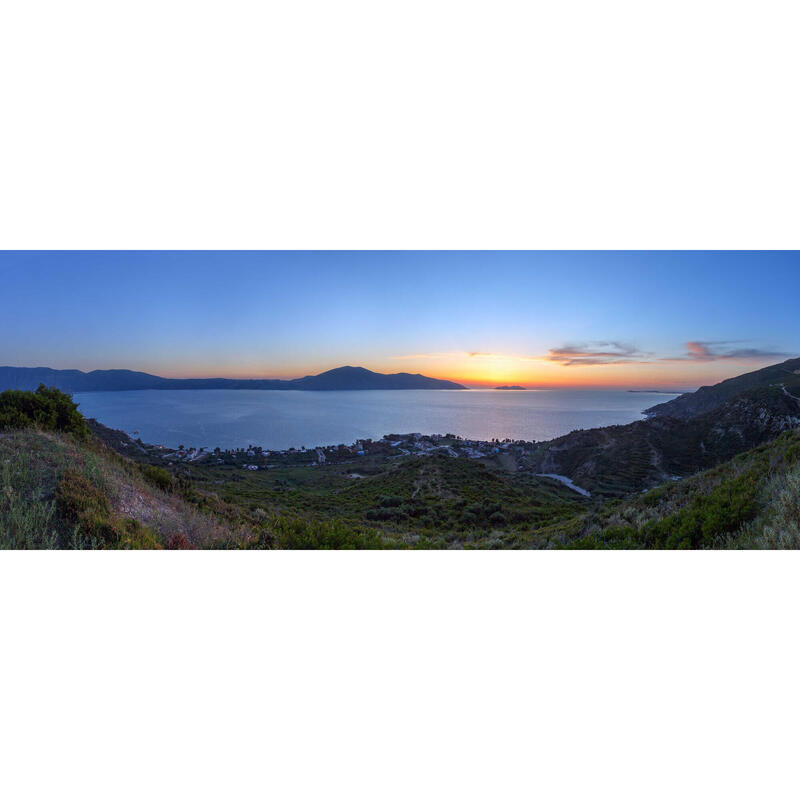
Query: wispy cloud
pixel 596 353
pixel 600 353
pixel 716 351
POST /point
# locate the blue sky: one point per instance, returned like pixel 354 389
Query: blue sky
pixel 539 318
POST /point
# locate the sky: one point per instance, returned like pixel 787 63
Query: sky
pixel 540 319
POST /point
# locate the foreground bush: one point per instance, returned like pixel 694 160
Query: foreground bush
pixel 46 409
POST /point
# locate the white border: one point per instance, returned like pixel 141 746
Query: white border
pixel 427 675
pixel 175 124
pixel 423 124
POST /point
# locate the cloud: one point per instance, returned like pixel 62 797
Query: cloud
pixel 716 351
pixel 601 353
pixel 597 353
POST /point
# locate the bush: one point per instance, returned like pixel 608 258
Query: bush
pixel 84 506
pixel 384 514
pixel 297 534
pixel 178 541
pixel 80 503
pixel 707 519
pixel 159 477
pixel 390 502
pixel 47 409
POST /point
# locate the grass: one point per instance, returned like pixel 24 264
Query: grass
pixel 749 501
pixel 433 501
pixel 63 487
pixel 59 492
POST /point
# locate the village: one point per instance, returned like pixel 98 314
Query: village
pixel 391 446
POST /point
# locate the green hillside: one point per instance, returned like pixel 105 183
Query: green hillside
pixel 750 501
pixel 729 478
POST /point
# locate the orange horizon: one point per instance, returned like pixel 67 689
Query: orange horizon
pixel 599 377
pixel 490 371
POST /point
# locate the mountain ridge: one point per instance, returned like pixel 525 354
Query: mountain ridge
pixel 345 378
pixel 708 398
pixel 619 459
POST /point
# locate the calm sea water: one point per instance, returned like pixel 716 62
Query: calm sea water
pixel 283 419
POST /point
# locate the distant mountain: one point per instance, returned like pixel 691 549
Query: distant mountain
pixel 360 378
pixel 707 398
pixel 116 380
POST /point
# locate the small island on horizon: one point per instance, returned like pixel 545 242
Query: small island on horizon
pixel 510 388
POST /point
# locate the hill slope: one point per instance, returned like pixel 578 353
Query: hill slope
pixel 707 398
pixel 621 459
pixel 751 501
pixel 115 380
pixel 59 492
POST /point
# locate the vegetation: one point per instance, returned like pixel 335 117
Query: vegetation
pixel 435 501
pixel 46 409
pixel 751 501
pixel 615 461
pixel 66 484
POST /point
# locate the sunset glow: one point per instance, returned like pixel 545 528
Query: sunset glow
pixel 538 319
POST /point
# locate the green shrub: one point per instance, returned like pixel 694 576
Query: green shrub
pixel 159 477
pixel 707 519
pixel 84 506
pixel 298 534
pixel 47 409
pixel 390 502
pixel 80 503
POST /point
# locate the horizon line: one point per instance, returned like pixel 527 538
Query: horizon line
pixel 468 383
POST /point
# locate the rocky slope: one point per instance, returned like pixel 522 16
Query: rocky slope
pixel 617 460
pixel 708 398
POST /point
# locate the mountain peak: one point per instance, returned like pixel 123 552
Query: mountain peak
pixel 345 378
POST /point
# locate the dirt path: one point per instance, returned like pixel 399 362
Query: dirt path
pixel 566 481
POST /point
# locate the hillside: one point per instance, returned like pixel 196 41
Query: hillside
pixel 617 460
pixel 115 380
pixel 751 501
pixel 708 398
pixel 726 478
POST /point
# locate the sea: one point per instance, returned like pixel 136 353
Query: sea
pixel 278 420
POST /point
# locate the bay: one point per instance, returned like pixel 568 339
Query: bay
pixel 277 420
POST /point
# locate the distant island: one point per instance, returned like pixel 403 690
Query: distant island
pixel 510 388
pixel 120 380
